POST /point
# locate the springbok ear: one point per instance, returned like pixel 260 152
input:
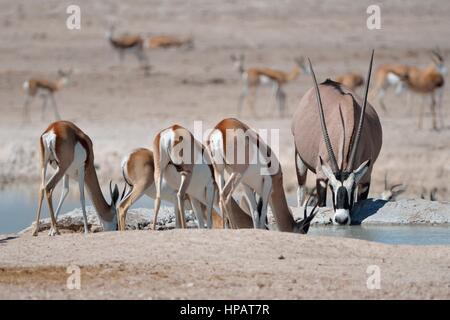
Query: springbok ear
pixel 361 171
pixel 327 171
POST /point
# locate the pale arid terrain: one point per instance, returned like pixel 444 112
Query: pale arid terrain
pixel 218 264
pixel 120 109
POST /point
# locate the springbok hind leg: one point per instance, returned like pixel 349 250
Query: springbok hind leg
pixel 40 198
pixel 185 179
pixel 50 186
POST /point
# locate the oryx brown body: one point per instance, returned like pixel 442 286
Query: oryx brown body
pixel 340 143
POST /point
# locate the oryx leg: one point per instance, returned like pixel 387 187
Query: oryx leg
pixel 55 108
pixel 321 187
pixel 363 191
pixel 185 180
pixel 64 192
pixel 302 173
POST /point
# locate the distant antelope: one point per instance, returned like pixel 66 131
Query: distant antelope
pixel 252 78
pixel 177 146
pixel 390 193
pixel 138 172
pixel 344 122
pixel 70 152
pixel 166 41
pixel 424 81
pixel 350 80
pixel 251 174
pixel 133 44
pixel 45 89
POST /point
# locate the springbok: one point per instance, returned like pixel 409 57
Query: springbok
pixel 425 81
pixel 359 141
pixel 255 166
pixel 138 172
pixel 45 89
pixel 133 44
pixel 70 152
pixel 390 193
pixel 252 78
pixel 166 41
pixel 177 146
pixel 350 80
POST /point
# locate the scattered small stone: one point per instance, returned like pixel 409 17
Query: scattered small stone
pixel 281 257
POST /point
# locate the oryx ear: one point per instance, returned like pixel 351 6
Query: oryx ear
pixel 361 171
pixel 326 169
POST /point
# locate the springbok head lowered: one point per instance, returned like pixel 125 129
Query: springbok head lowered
pixel 342 181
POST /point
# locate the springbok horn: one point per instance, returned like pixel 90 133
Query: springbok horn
pixel 361 120
pixel 110 187
pixel 326 137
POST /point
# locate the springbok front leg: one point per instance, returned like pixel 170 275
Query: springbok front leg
pixel 433 111
pixel 242 97
pixel 227 192
pixel 249 198
pixel 198 211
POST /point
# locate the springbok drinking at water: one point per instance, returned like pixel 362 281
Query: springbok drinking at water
pixel 336 127
pixel 69 151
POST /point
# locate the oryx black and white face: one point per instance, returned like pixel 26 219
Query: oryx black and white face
pixel 343 185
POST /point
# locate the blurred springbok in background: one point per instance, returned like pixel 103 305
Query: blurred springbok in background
pixel 132 44
pixel 167 41
pixel 350 80
pixel 425 81
pixel 252 78
pixel 45 89
pixel 359 142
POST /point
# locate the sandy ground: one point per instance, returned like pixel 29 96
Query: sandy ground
pixel 241 264
pixel 122 109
